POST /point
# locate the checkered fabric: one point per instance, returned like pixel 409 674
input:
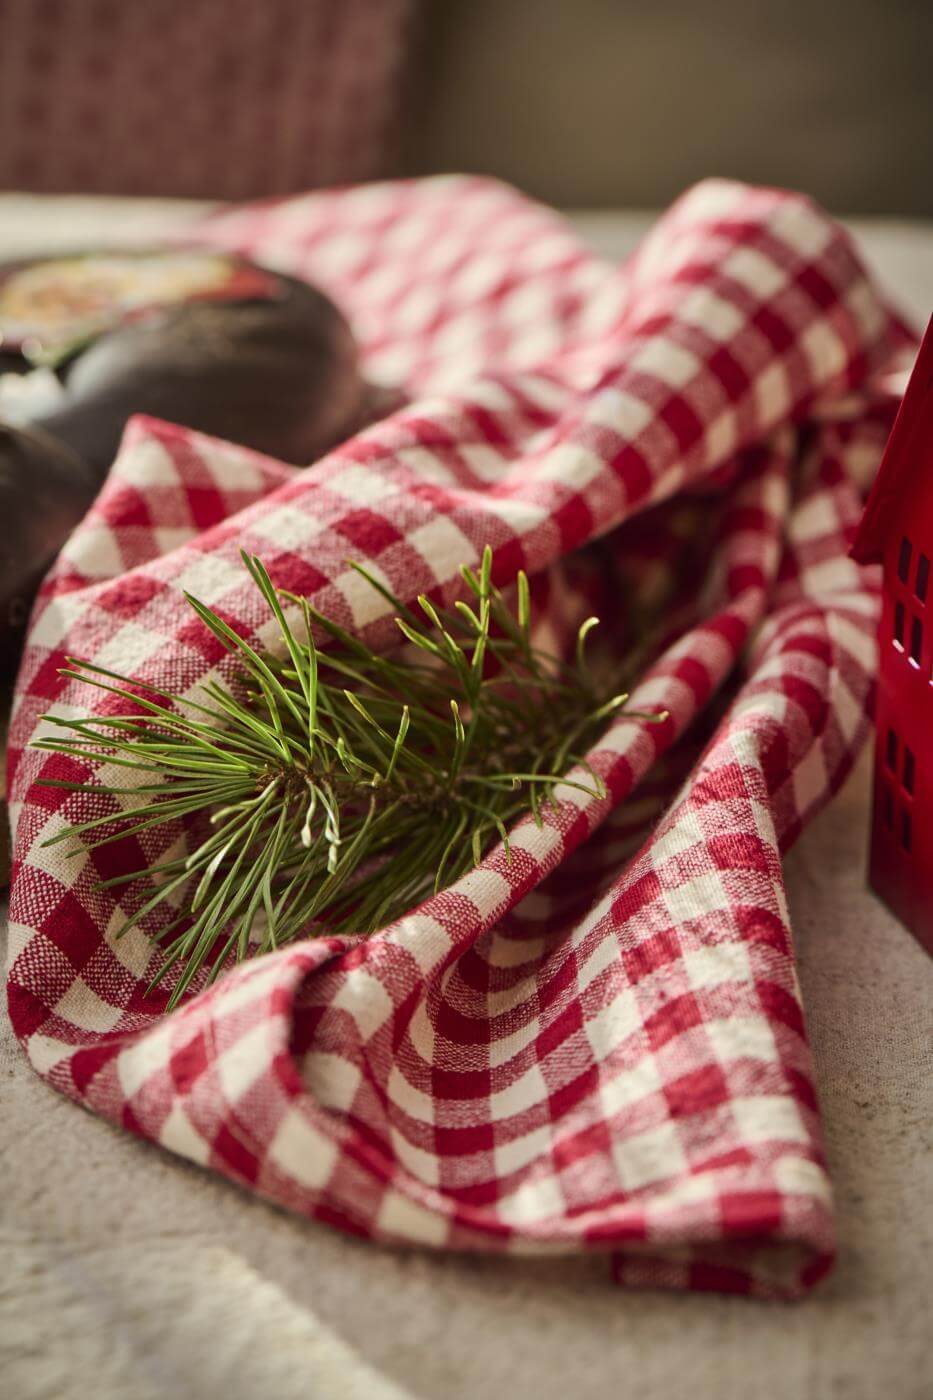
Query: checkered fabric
pixel 600 1044
pixel 226 99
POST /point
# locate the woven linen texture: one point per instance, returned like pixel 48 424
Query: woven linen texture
pixel 190 97
pixel 599 1044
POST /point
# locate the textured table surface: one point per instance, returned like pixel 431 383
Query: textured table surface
pixel 130 1275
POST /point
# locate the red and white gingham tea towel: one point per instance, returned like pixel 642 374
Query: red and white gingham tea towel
pixel 599 1045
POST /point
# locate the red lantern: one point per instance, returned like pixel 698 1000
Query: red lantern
pixel 897 531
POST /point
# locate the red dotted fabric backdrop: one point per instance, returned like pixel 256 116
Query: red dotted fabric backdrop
pixel 231 100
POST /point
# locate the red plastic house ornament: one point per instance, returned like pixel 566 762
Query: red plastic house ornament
pixel 897 531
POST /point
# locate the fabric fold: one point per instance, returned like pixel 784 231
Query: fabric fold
pixel 597 1043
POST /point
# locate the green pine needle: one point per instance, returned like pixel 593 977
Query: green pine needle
pixel 339 788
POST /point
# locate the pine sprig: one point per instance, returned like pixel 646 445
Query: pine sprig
pixel 334 789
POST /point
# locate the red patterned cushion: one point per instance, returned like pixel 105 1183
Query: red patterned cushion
pixel 194 97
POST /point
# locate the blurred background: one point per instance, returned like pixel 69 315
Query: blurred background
pixel 583 103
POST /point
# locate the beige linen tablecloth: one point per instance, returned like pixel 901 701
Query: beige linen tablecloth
pixel 129 1275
